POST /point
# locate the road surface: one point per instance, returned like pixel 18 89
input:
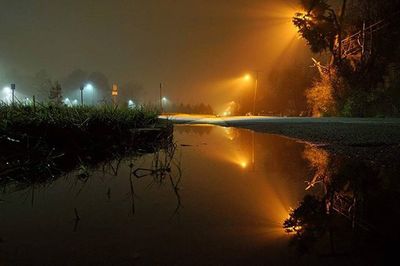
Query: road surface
pixel 342 131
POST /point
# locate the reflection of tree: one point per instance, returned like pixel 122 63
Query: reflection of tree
pixel 308 222
pixel 319 161
pixel 355 203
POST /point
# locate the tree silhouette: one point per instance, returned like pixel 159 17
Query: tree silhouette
pixel 320 26
pixel 55 95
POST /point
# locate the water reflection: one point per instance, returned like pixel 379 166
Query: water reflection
pixel 271 167
pixel 211 196
pixel 350 209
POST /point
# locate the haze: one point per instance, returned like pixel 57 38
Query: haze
pixel 191 46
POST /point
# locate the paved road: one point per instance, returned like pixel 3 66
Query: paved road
pixel 343 131
pixel 265 120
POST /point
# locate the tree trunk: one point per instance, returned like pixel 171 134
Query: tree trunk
pixel 340 35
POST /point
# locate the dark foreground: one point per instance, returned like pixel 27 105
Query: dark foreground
pixel 212 196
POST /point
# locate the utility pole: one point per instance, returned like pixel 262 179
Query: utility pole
pixel 13 93
pixel 255 91
pixel 161 105
pixel 81 88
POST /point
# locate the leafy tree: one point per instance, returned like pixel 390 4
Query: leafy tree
pixel 320 26
pixel 55 95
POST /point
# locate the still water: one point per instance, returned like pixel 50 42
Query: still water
pixel 219 196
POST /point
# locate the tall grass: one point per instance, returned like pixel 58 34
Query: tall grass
pixel 20 118
pixel 47 140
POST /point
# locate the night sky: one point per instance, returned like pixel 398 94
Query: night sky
pixel 190 45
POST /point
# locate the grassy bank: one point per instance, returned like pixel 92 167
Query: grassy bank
pixel 48 140
pixel 22 119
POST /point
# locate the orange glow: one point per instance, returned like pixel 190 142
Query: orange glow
pixel 247 77
pixel 243 165
pixel 230 133
pixel 270 194
pixel 319 160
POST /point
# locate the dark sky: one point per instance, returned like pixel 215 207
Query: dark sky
pixel 191 45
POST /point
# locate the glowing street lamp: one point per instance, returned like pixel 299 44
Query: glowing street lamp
pixel 89 87
pixel 131 104
pixel 247 77
pixel 164 100
pixel 243 164
pixel 67 102
pixel 6 93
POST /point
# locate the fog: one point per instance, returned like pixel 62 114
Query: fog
pixel 196 48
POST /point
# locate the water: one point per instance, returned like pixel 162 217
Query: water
pixel 220 197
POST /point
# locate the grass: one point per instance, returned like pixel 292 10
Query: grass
pixel 25 119
pixel 49 140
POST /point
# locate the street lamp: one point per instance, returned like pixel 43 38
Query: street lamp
pixel 13 93
pixel 164 100
pixel 247 77
pixel 7 93
pixel 67 102
pixel 81 88
pixel 131 104
pixel 88 87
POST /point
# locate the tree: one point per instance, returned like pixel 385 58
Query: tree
pixel 55 95
pixel 42 83
pixel 101 84
pixel 73 81
pixel 320 26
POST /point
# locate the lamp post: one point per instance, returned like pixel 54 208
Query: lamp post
pixel 13 92
pixel 81 88
pixel 161 98
pixel 89 87
pixel 247 77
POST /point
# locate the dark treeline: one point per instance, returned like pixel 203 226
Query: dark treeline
pixel 200 108
pixel 45 87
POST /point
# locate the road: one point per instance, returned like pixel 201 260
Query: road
pixel 342 131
